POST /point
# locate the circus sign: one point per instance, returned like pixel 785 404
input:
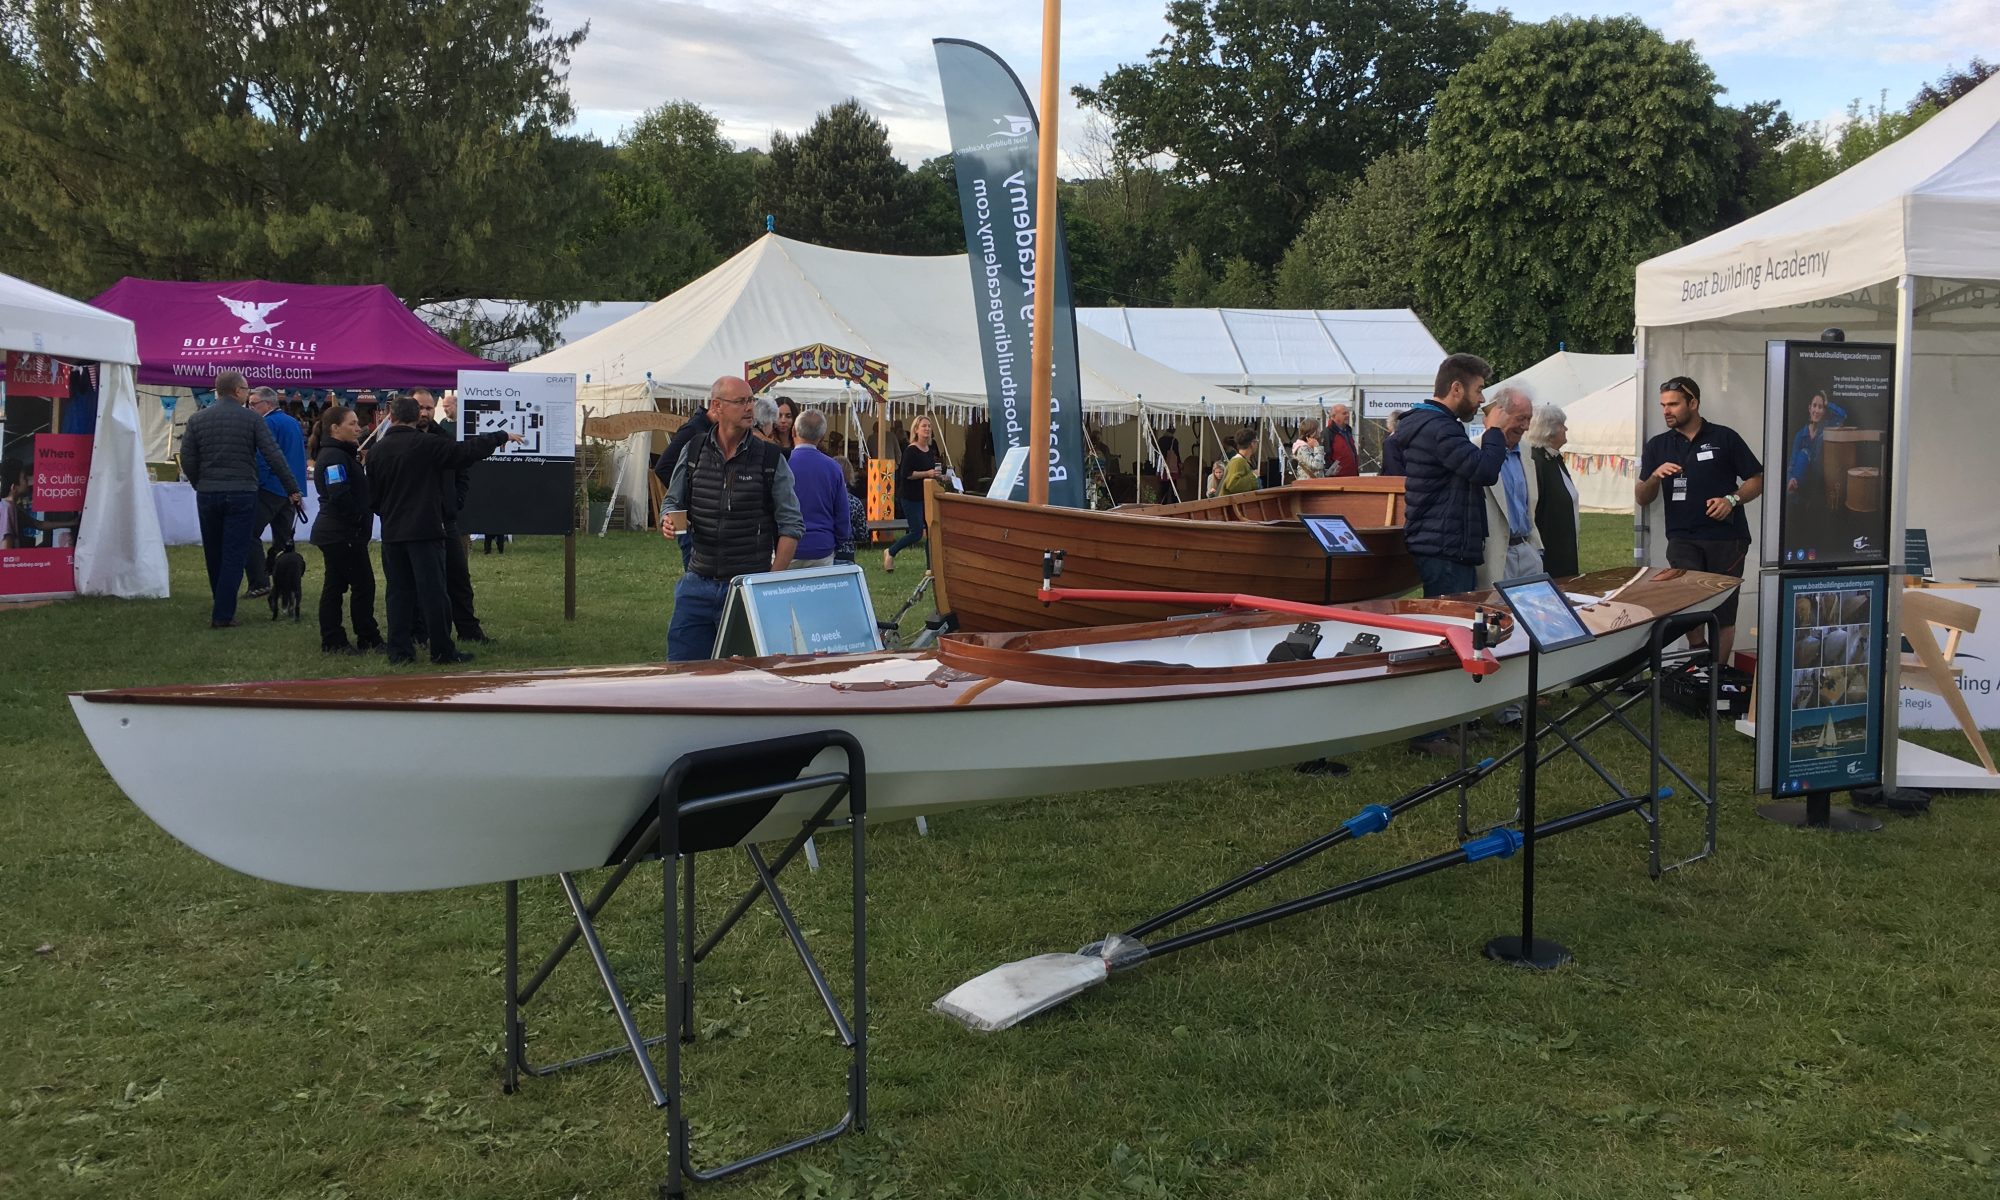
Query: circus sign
pixel 819 361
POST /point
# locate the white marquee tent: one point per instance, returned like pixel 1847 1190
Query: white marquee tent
pixel 118 549
pixel 1903 247
pixel 915 314
pixel 1286 363
pixel 1595 393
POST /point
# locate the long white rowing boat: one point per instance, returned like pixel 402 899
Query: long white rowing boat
pixel 547 770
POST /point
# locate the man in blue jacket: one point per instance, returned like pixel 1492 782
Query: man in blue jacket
pixel 273 509
pixel 1446 476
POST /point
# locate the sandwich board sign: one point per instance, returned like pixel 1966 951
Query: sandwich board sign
pixel 816 610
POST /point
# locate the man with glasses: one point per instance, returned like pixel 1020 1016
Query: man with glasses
pixel 734 495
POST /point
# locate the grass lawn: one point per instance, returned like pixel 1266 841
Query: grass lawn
pixel 1801 1016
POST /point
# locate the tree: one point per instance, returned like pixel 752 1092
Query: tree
pixel 1268 105
pixel 838 184
pixel 1952 85
pixel 1562 157
pixel 1188 282
pixel 1818 151
pixel 1362 248
pixel 308 140
pixel 1243 285
pixel 678 150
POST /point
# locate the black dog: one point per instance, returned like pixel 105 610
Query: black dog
pixel 288 577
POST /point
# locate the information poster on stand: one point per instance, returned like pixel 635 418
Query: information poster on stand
pixel 1826 731
pixel 527 486
pixel 1828 454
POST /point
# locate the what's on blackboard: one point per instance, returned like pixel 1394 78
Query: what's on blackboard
pixel 520 497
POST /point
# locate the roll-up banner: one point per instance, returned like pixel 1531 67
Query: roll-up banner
pixel 993 138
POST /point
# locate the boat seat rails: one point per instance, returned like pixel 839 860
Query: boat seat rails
pixel 709 800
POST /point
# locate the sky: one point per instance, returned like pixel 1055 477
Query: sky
pixel 769 65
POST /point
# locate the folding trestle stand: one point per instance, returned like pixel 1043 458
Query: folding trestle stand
pixel 711 800
pixel 1603 704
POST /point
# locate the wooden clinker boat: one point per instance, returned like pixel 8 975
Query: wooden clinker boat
pixel 986 555
pixel 549 769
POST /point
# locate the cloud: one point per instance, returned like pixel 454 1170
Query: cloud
pixel 772 66
pixel 1856 31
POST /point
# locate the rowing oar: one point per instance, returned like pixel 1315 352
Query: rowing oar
pixel 1009 994
pixel 1472 654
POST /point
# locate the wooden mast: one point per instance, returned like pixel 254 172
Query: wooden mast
pixel 1042 360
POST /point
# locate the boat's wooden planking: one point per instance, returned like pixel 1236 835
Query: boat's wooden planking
pixel 987 555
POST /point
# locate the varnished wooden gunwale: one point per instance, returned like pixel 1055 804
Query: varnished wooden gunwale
pixel 747 689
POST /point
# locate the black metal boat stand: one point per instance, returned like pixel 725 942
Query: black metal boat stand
pixel 710 800
pixel 1606 691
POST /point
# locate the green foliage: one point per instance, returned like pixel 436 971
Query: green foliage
pixel 679 148
pixel 1189 284
pixel 338 141
pixel 1816 153
pixel 1562 157
pixel 1268 105
pixel 838 184
pixel 1120 229
pixel 1242 285
pixel 1953 84
pixel 1362 248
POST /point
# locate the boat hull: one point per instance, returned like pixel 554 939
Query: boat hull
pixel 549 770
pixel 986 555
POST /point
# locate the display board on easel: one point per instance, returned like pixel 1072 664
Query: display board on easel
pixel 1827 417
pixel 814 610
pixel 1819 719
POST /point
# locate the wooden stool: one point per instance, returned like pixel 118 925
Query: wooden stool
pixel 1839 454
pixel 1864 489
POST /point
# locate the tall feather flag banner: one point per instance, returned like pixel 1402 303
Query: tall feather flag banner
pixel 993 139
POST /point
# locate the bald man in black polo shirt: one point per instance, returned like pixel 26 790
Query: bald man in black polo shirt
pixel 1709 473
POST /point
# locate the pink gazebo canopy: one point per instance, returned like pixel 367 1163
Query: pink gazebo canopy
pixel 287 335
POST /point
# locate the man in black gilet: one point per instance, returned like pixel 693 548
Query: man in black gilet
pixel 734 495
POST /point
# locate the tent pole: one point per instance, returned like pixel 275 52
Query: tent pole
pixel 1043 358
pixel 1899 519
pixel 1639 528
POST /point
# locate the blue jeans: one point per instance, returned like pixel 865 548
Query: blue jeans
pixel 1443 577
pixel 697 610
pixel 686 542
pixel 913 531
pixel 228 527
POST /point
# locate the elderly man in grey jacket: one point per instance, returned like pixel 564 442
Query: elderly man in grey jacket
pixel 219 457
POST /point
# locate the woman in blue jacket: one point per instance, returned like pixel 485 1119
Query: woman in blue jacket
pixel 1809 505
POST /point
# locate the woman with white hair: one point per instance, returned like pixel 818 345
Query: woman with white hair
pixel 1556 510
pixel 764 419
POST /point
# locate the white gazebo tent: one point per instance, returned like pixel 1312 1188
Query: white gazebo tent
pixel 915 314
pixel 118 549
pixel 1271 365
pixel 1595 394
pixel 1904 247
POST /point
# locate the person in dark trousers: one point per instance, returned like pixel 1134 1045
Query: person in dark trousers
pixel 1557 503
pixel 1709 474
pixel 274 511
pixel 408 471
pixel 342 531
pixel 917 463
pixel 1444 488
pixel 457 567
pixel 219 457
pixel 734 494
